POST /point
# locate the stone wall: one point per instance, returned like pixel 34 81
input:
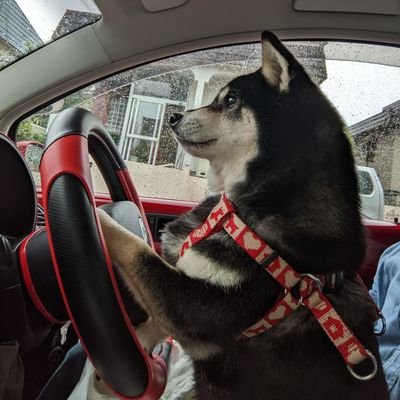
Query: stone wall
pixel 157 181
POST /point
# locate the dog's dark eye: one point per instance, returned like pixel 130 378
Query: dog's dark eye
pixel 230 100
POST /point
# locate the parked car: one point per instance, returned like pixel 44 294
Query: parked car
pixel 133 64
pixel 371 194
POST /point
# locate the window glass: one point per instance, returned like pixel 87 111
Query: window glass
pixel 26 25
pixel 365 183
pixel 361 80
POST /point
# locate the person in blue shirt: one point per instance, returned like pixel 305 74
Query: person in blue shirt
pixel 386 294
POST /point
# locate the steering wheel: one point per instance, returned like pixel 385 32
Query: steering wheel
pixel 100 313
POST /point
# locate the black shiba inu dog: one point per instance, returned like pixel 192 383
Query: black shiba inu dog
pixel 277 149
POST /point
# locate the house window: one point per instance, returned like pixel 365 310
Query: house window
pixel 116 116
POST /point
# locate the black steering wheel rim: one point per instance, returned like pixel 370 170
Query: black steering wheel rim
pixel 82 266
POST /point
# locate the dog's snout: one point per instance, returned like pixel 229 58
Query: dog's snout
pixel 175 118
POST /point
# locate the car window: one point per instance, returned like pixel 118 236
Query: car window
pixel 26 25
pixel 361 80
pixel 366 186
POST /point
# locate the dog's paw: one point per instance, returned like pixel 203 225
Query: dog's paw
pixel 107 223
pixel 123 245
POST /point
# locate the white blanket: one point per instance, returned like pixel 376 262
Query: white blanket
pixel 179 386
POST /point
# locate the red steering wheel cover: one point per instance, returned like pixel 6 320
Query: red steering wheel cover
pixel 68 155
pixel 29 285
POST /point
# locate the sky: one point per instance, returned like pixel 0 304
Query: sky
pixel 359 90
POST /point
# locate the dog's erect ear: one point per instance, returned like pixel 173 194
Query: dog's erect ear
pixel 275 61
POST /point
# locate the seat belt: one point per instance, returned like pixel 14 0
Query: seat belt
pixel 66 377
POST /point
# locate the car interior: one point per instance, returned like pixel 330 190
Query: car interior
pixel 87 90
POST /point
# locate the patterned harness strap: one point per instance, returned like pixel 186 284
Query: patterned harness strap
pixel 223 216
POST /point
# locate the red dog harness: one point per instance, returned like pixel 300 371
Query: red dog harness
pixel 223 216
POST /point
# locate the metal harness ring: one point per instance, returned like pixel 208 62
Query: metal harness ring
pixel 370 375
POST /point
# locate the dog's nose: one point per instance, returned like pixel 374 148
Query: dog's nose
pixel 175 118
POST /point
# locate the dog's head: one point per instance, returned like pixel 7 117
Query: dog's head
pixel 241 121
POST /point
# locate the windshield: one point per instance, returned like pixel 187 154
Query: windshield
pixel 26 25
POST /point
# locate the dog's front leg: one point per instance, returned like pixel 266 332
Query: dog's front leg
pixel 191 310
pixel 123 246
pixel 126 251
pixel 123 250
pixel 143 270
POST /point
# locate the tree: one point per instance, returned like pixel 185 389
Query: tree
pixel 25 132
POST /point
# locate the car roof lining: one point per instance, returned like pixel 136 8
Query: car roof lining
pixel 108 45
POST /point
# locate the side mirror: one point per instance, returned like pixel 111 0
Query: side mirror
pixel 33 154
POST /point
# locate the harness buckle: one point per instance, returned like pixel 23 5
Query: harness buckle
pixel 300 293
pixel 316 279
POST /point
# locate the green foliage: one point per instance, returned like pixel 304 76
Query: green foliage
pixel 24 129
pixel 141 151
pixel 26 132
pixel 30 46
pixel 115 136
pixel 41 120
pixel 167 149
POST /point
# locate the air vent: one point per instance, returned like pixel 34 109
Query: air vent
pixel 40 220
